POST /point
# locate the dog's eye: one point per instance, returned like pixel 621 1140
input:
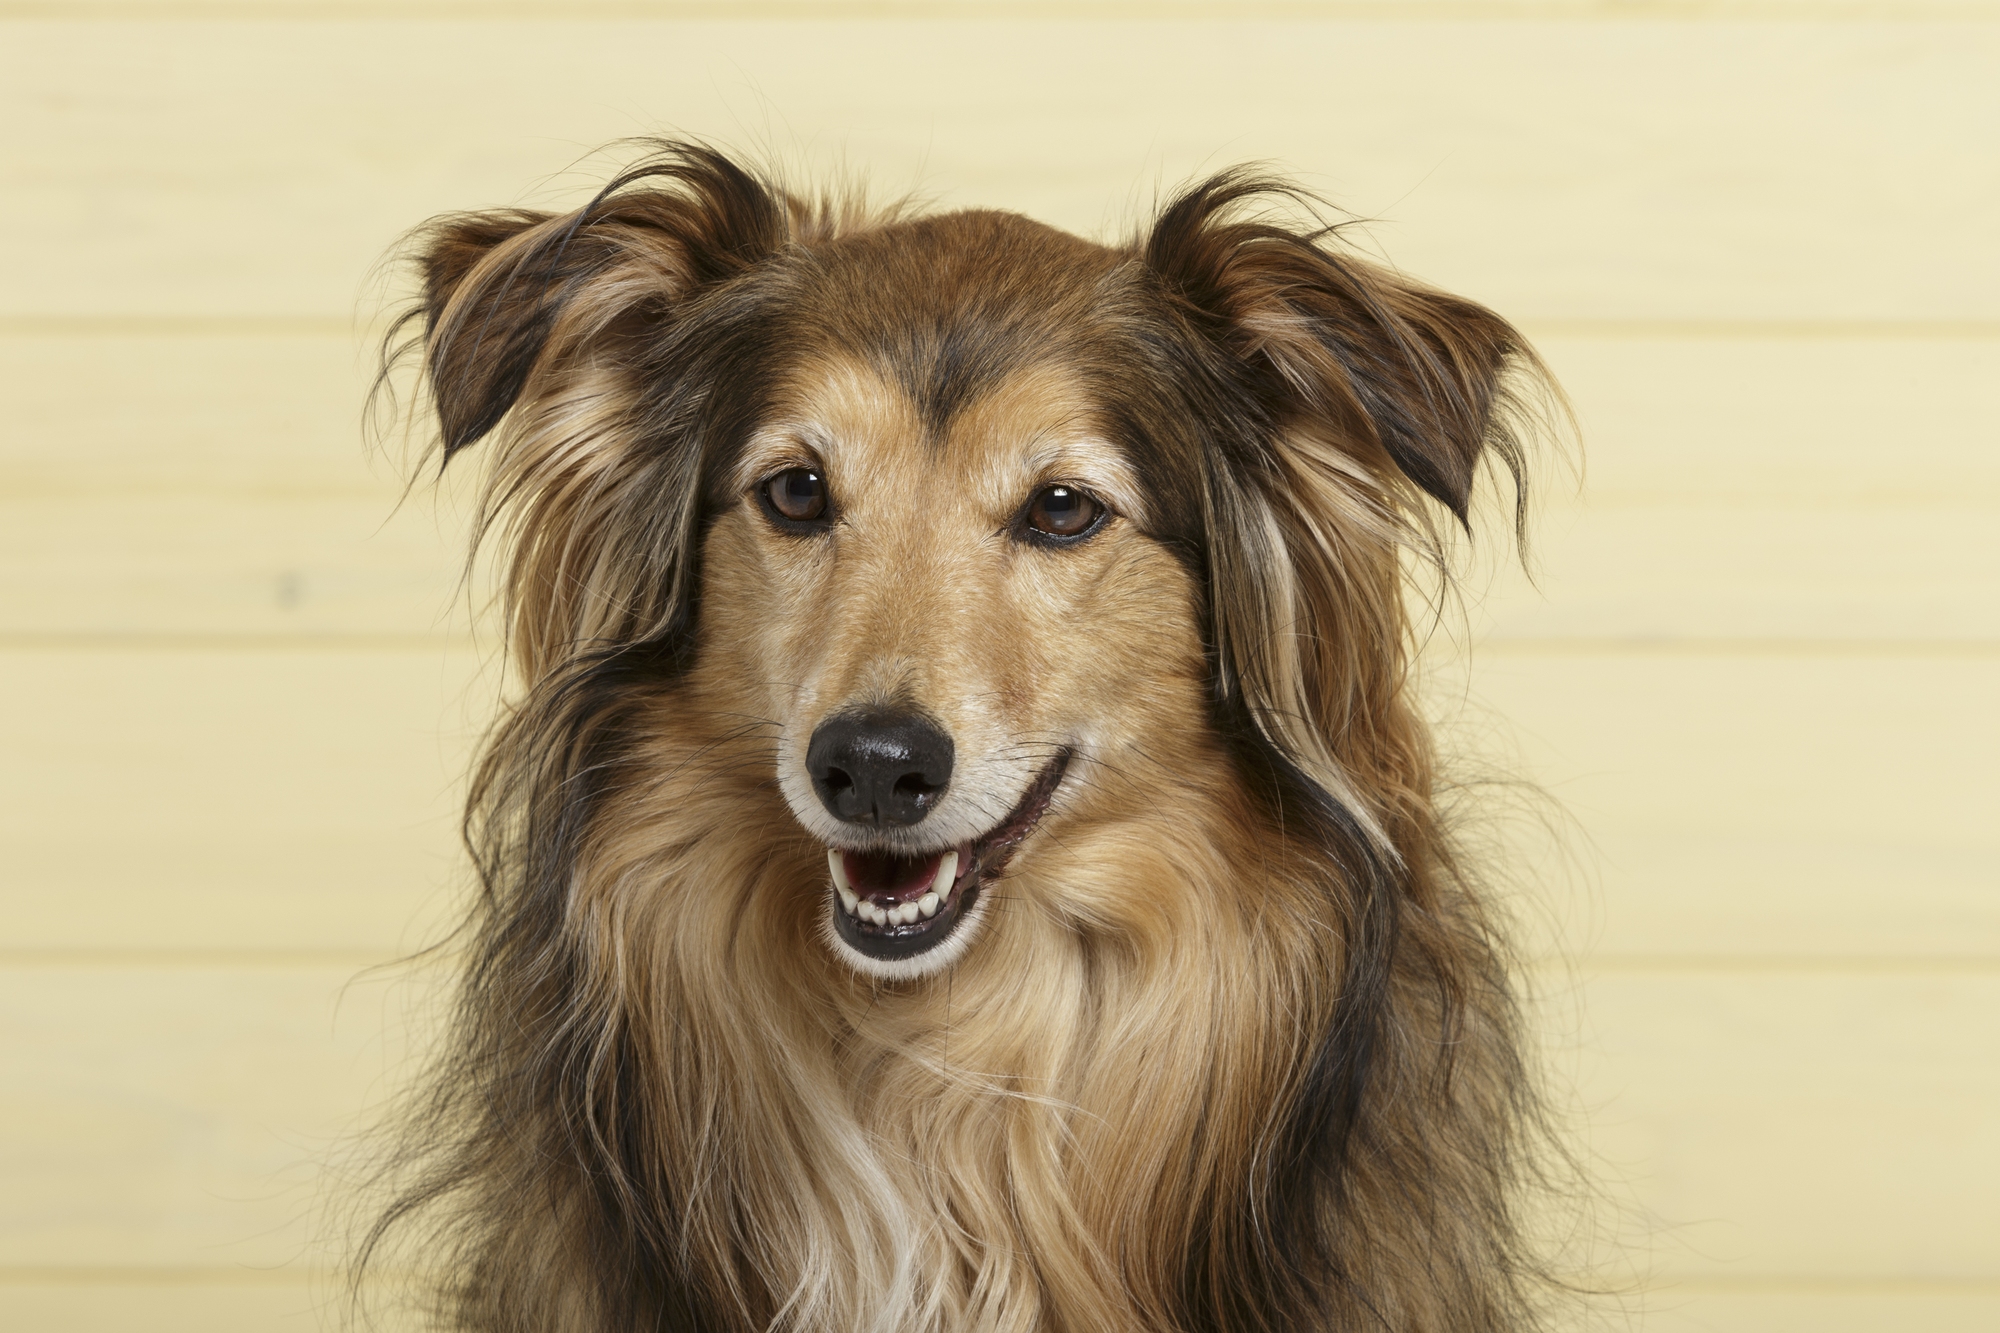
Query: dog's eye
pixel 796 494
pixel 1063 512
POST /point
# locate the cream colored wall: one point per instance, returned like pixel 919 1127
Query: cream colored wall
pixel 1757 240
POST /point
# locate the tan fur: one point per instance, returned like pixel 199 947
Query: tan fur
pixel 947 1130
pixel 1076 1124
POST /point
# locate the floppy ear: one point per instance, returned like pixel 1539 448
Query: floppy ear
pixel 503 291
pixel 583 333
pixel 1339 394
pixel 1395 368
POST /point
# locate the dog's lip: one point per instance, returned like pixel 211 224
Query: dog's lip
pixel 886 881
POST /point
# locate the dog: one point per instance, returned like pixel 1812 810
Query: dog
pixel 965 853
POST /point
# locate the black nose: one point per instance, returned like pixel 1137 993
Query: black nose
pixel 879 768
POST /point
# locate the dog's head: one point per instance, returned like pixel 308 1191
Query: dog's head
pixel 973 519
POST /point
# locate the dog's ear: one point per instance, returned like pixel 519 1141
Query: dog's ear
pixel 1335 394
pixel 583 333
pixel 508 291
pixel 1398 371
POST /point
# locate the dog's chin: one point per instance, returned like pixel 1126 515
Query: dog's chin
pixel 901 917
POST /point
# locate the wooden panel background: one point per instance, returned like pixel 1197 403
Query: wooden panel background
pixel 1755 239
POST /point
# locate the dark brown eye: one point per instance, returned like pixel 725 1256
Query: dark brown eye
pixel 1063 512
pixel 796 494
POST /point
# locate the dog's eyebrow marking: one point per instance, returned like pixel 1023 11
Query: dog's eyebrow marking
pixel 1065 453
pixel 947 366
pixel 794 441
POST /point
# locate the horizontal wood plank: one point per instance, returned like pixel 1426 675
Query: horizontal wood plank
pixel 1831 171
pixel 227 801
pixel 1841 1127
pixel 160 485
pixel 1779 418
pixel 1741 807
pixel 1764 1128
pixel 231 564
pixel 278 411
pixel 1719 806
pixel 1874 11
pixel 1837 1308
pixel 300 800
pixel 186 1116
pixel 1651 572
pixel 284 565
pixel 168 1303
pixel 270 413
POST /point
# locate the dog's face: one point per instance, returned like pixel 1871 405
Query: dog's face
pixel 946 619
pixel 990 535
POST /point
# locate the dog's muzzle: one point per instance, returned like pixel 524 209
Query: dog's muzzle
pixel 888 907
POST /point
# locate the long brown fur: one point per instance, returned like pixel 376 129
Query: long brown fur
pixel 1234 1046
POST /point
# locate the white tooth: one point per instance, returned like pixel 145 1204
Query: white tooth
pixel 899 915
pixel 877 915
pixel 947 872
pixel 848 898
pixel 928 904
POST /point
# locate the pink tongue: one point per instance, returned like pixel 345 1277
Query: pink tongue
pixel 877 876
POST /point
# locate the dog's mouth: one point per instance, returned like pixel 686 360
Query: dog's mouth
pixel 888 907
